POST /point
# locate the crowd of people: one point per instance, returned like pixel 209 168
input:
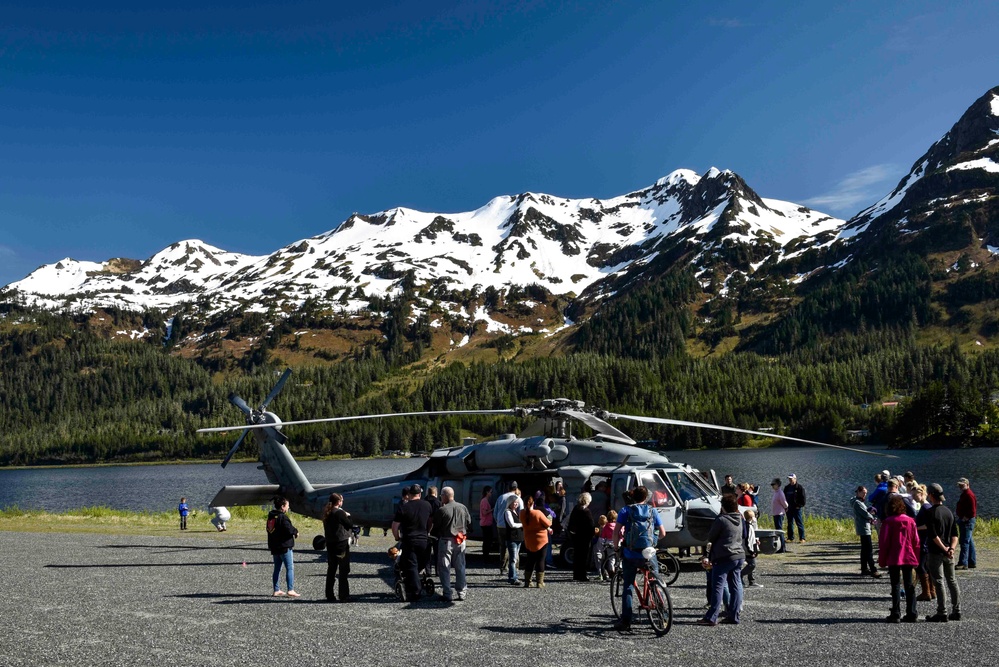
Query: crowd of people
pixel 919 540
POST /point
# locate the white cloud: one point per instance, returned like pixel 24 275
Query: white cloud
pixel 858 190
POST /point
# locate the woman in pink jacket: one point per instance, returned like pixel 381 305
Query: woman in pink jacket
pixel 898 550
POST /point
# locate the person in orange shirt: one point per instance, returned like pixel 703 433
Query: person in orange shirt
pixel 537 528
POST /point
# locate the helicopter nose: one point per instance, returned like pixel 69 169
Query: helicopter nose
pixel 700 516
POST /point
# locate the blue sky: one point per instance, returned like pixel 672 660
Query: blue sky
pixel 128 126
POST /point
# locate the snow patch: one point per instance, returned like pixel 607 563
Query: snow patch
pixel 985 163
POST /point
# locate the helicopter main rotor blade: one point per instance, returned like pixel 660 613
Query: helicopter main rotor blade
pixel 240 403
pixel 222 429
pixel 600 426
pixel 678 422
pixel 276 390
pixel 232 451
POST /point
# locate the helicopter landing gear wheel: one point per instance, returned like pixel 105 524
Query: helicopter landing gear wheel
pixel 669 567
pixel 567 553
pixel 319 543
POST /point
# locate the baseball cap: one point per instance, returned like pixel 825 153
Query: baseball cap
pixel 885 474
pixel 964 480
pixel 416 489
pixel 513 485
pixel 935 490
pixel 792 476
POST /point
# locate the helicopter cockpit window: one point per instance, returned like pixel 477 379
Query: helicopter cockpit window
pixel 659 495
pixel 685 485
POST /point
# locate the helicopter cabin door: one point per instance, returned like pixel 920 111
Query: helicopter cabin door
pixel 471 500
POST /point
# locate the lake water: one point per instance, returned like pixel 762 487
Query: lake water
pixel 828 475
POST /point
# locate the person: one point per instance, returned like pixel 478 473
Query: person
pixel 880 493
pixel 729 488
pixel 486 521
pixel 560 505
pixel 910 478
pixel 581 531
pixel 337 525
pixel 751 545
pixel 941 535
pixel 220 517
pixel 435 504
pixel 795 495
pixel 514 536
pixel 638 527
pixel 927 591
pixel 862 521
pixel 451 523
pixel 778 508
pixel 725 559
pixel 183 510
pixel 281 536
pixel 898 550
pixel 499 518
pixel 410 527
pixel 537 527
pixel 746 498
pixel 966 513
pixel 605 553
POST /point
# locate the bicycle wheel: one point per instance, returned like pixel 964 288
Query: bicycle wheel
pixel 669 567
pixel 660 610
pixel 616 591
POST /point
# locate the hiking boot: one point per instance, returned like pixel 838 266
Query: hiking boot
pixel 621 626
pixel 954 616
pixel 892 618
pixel 910 618
pixel 937 618
pixel 708 623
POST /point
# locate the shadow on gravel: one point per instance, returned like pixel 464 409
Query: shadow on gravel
pixel 818 621
pixel 590 627
pixel 170 548
pixel 123 565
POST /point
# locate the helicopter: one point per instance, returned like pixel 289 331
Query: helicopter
pixel 607 464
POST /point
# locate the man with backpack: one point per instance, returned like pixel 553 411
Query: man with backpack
pixel 638 527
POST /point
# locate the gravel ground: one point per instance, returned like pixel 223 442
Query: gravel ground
pixel 84 599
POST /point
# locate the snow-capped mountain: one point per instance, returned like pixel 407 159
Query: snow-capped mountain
pixel 570 246
pixel 958 174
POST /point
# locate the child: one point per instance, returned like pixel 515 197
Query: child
pixel 752 546
pixel 605 555
pixel 183 510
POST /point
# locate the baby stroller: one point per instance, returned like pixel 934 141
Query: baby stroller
pixel 399 585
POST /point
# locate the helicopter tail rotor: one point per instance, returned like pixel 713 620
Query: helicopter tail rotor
pixel 253 417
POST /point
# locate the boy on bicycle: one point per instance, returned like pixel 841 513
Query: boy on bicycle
pixel 639 527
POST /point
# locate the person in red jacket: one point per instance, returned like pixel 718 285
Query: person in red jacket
pixel 966 512
pixel 898 550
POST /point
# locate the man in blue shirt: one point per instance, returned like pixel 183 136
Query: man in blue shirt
pixel 631 559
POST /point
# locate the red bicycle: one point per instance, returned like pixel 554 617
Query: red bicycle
pixel 650 595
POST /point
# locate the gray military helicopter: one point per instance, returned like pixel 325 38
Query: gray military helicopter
pixel 607 464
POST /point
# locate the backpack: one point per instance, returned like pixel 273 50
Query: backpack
pixel 640 533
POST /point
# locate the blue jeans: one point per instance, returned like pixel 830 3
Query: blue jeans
pixel 794 517
pixel 288 561
pixel 967 542
pixel 779 525
pixel 512 550
pixel 629 570
pixel 722 574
